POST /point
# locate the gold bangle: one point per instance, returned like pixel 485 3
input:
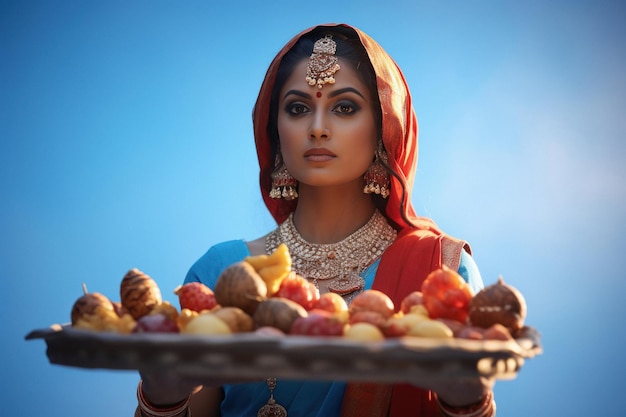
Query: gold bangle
pixel 148 409
pixel 484 408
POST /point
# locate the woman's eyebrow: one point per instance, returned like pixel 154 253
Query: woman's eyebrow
pixel 333 93
pixel 297 93
pixel 345 90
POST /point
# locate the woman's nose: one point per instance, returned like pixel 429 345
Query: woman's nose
pixel 319 128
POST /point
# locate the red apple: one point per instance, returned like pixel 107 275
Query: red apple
pixel 297 288
pixel 372 300
pixel 332 302
pixel 414 298
pixel 318 323
pixel 393 328
pixel 155 323
pixel 372 317
pixel 446 295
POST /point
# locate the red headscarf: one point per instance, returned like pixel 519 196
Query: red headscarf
pixel 419 238
pixel 399 133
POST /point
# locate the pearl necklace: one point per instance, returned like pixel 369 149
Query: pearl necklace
pixel 342 262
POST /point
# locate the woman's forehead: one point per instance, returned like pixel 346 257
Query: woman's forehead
pixel 346 76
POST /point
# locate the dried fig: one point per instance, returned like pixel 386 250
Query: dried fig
pixel 498 303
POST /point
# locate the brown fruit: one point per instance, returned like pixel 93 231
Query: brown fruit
pixel 237 319
pixel 119 309
pixel 139 293
pixel 86 305
pixel 279 313
pixel 498 303
pixel 239 285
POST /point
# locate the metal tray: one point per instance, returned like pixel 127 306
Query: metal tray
pixel 250 356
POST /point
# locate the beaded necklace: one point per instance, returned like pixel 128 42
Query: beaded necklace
pixel 340 263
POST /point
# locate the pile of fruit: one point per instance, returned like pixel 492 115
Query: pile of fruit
pixel 262 294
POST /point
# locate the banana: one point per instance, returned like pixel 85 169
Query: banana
pixel 272 268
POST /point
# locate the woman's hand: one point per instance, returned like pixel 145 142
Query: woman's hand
pixel 165 388
pixel 462 392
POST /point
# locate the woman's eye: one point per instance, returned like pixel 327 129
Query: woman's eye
pixel 296 109
pixel 346 108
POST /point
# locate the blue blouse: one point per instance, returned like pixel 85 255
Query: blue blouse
pixel 300 398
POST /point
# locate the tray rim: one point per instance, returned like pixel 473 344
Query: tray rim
pixel 526 346
pixel 405 359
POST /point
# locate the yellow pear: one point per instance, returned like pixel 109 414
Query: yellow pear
pixel 207 324
pixel 364 332
pixel 431 328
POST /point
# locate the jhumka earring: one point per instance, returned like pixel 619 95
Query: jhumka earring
pixel 376 176
pixel 283 184
pixel 323 63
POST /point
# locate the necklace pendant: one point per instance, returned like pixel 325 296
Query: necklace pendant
pixel 271 409
pixel 347 284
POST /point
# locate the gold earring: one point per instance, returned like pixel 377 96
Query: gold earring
pixel 283 184
pixel 376 177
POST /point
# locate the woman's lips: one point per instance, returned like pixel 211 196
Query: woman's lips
pixel 319 155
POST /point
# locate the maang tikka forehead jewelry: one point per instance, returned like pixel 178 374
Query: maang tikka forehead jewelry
pixel 323 63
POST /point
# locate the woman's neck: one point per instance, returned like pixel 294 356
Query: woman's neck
pixel 326 215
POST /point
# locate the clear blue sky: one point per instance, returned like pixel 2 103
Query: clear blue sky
pixel 126 141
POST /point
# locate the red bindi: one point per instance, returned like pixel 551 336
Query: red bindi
pixel 318 94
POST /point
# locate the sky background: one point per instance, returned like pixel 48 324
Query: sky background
pixel 126 141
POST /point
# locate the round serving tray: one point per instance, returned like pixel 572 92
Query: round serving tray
pixel 250 356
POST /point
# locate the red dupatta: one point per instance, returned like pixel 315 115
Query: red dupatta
pixel 419 237
pixel 399 134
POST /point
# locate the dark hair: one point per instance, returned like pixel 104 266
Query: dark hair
pixel 349 48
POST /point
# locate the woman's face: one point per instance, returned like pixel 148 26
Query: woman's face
pixel 327 136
